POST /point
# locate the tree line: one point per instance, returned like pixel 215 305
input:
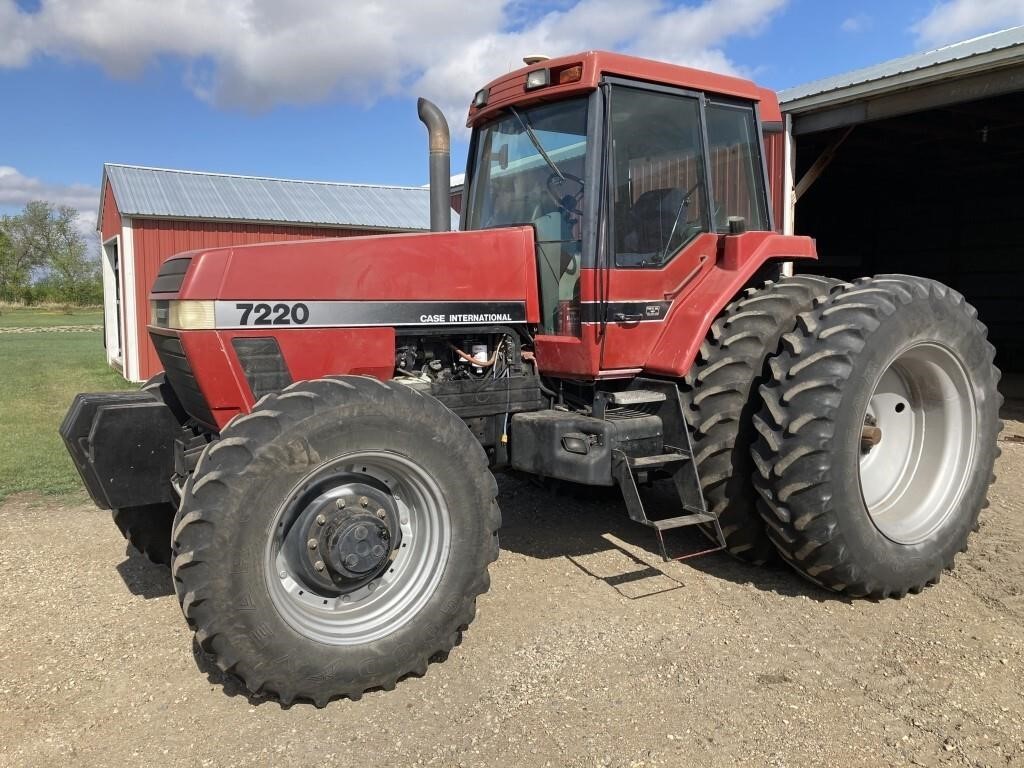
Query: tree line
pixel 45 258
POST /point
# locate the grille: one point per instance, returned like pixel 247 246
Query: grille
pixel 171 276
pixel 263 365
pixel 179 376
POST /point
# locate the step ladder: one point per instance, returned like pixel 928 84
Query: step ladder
pixel 676 461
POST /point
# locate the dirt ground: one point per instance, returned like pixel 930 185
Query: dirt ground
pixel 588 651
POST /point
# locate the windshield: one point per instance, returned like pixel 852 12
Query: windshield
pixel 519 178
pixel 530 168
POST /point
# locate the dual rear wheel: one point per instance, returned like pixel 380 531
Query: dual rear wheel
pixel 848 428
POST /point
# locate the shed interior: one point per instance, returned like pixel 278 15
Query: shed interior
pixel 937 192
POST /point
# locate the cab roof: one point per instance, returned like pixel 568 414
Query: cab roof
pixel 510 89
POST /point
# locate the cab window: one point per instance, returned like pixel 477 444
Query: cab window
pixel 657 165
pixel 737 179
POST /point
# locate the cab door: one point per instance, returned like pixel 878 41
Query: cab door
pixel 680 165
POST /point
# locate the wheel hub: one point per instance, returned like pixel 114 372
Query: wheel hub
pixel 360 544
pixel 351 505
pixel 344 537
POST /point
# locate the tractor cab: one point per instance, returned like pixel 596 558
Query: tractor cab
pixel 623 167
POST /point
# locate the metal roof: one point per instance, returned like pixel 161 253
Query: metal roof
pixel 995 49
pixel 160 192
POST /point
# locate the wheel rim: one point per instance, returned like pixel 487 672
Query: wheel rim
pixel 339 607
pixel 915 466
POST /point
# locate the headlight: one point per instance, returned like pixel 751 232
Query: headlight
pixel 181 315
pixel 537 79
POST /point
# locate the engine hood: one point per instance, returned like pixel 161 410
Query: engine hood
pixel 413 279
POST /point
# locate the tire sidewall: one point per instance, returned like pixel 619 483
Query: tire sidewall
pixel 942 323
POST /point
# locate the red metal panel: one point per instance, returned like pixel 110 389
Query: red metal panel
pixel 111 224
pixel 156 240
pixel 484 265
pixel 699 282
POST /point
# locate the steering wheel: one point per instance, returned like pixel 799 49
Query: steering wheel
pixel 566 202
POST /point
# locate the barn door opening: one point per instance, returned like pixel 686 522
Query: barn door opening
pixel 113 317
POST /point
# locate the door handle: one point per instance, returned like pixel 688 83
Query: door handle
pixel 622 317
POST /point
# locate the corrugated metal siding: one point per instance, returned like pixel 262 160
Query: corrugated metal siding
pixel 156 240
pixel 185 194
pixel 1005 40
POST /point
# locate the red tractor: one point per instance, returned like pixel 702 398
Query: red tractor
pixel 316 463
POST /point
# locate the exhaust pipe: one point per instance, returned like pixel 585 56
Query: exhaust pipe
pixel 440 165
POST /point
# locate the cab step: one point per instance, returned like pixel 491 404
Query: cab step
pixel 659 461
pixel 676 461
pixel 696 518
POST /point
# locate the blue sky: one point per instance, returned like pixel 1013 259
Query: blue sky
pixel 326 90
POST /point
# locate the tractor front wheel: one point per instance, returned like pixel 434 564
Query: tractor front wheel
pixel 878 436
pixel 335 539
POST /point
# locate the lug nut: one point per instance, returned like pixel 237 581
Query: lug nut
pixel 319 565
pixel 311 543
pixel 363 501
pixel 340 503
pixel 381 514
pixel 320 519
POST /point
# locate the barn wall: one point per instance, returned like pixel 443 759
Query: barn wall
pixel 111 223
pixel 156 240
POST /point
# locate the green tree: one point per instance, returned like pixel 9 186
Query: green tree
pixel 12 278
pixel 46 248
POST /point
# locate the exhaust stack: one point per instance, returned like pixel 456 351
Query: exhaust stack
pixel 440 165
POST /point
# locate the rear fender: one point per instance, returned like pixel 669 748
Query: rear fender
pixel 693 312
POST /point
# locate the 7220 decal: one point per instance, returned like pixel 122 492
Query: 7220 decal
pixel 273 314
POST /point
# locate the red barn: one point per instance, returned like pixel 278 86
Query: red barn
pixel 148 215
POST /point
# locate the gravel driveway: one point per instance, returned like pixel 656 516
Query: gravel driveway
pixel 587 651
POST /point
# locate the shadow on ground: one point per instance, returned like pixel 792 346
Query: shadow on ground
pixel 576 522
pixel 143 577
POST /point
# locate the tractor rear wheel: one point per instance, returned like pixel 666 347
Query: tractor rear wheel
pixel 878 436
pixel 148 528
pixel 335 539
pixel 721 397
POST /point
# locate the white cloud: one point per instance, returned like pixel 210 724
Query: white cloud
pixel 855 24
pixel 254 54
pixel 953 20
pixel 17 189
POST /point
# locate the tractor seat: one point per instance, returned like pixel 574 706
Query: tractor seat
pixel 649 224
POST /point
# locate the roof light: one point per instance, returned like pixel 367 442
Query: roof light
pixel 537 79
pixel 571 74
pixel 534 58
pixel 480 99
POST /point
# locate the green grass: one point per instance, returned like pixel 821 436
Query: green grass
pixel 38 317
pixel 40 373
